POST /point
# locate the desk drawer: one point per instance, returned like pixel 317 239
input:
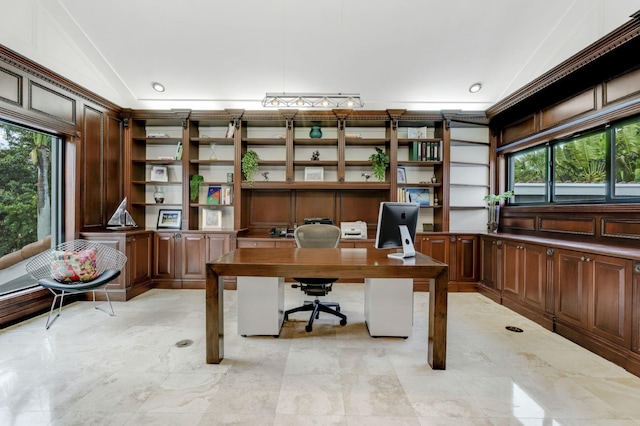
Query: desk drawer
pixel 256 243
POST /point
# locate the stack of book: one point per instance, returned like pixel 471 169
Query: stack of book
pixel 424 151
pixel 220 194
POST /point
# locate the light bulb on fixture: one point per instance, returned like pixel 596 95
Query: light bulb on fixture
pixel 157 86
pixel 325 102
pixel 275 102
pixel 475 87
pixel 300 102
pixel 350 102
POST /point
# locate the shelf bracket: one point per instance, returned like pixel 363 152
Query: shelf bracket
pixel 236 123
pixel 289 123
pixel 394 123
pixel 341 124
pixel 125 123
pixel 448 123
pixel 184 123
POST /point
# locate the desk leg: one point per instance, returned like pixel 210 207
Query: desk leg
pixel 214 328
pixel 438 293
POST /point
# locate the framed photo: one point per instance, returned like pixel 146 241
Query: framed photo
pixel 314 174
pixel 402 175
pixel 169 219
pixel 159 174
pixel 211 219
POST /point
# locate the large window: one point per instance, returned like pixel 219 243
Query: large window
pixel 529 170
pixel 596 167
pixel 626 164
pixel 29 195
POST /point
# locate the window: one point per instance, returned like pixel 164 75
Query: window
pixel 602 166
pixel 626 164
pixel 579 172
pixel 29 196
pixel 529 170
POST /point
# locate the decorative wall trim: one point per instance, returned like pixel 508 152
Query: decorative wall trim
pixel 624 34
pixel 562 225
pixel 620 228
pixel 27 66
pixel 527 223
pixel 6 94
pixel 51 103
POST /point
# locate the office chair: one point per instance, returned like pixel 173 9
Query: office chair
pixel 77 266
pixel 317 236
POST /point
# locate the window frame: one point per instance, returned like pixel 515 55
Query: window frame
pixel 550 198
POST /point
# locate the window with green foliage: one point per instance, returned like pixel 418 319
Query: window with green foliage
pixel 529 171
pixel 579 169
pixel 596 167
pixel 29 194
pixel 626 167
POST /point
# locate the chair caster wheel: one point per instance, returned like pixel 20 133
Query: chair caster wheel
pixel 343 322
pixel 337 308
pixel 308 328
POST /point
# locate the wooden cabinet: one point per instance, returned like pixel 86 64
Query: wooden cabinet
pixel 490 264
pixel 594 293
pixel 180 257
pixel 463 260
pixel 135 277
pixel 524 274
pixel 435 246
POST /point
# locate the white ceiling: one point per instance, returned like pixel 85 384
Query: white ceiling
pixel 213 54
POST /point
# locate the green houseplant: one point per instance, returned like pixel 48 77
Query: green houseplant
pixel 194 186
pixel 379 162
pixel 250 165
pixel 493 201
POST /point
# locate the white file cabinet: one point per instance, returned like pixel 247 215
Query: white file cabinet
pixel 388 306
pixel 260 305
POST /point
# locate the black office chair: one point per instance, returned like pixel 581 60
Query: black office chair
pixel 317 236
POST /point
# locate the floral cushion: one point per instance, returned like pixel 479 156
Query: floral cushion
pixel 71 266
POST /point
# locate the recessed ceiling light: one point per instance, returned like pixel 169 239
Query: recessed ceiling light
pixel 157 87
pixel 475 87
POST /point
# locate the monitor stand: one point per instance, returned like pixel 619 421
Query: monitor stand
pixel 408 250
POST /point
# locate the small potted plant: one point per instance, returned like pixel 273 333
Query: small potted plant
pixel 494 208
pixel 194 186
pixel 379 162
pixel 250 165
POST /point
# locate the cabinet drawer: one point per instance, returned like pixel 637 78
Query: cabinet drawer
pixel 256 243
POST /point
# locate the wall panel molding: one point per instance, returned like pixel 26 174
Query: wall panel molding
pixel 10 87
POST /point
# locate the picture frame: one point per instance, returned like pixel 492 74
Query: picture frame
pixel 314 174
pixel 211 219
pixel 169 219
pixel 402 175
pixel 159 174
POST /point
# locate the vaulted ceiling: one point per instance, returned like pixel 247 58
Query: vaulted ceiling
pixel 213 54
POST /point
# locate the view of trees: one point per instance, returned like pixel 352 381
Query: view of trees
pixel 627 167
pixel 25 179
pixel 579 162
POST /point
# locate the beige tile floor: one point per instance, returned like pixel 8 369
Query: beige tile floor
pixel 92 369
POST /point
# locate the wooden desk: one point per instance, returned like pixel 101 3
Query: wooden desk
pixel 338 262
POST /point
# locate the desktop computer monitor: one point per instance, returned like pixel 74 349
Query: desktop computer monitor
pixel 397 224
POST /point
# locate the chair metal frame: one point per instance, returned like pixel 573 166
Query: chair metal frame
pixel 109 263
pixel 321 236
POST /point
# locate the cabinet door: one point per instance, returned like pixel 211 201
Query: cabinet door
pixel 193 248
pixel 511 269
pixel 488 262
pixel 217 245
pixel 534 276
pixel 572 277
pixel 139 248
pixel 164 258
pixel 610 299
pixel 466 258
pixel 436 246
